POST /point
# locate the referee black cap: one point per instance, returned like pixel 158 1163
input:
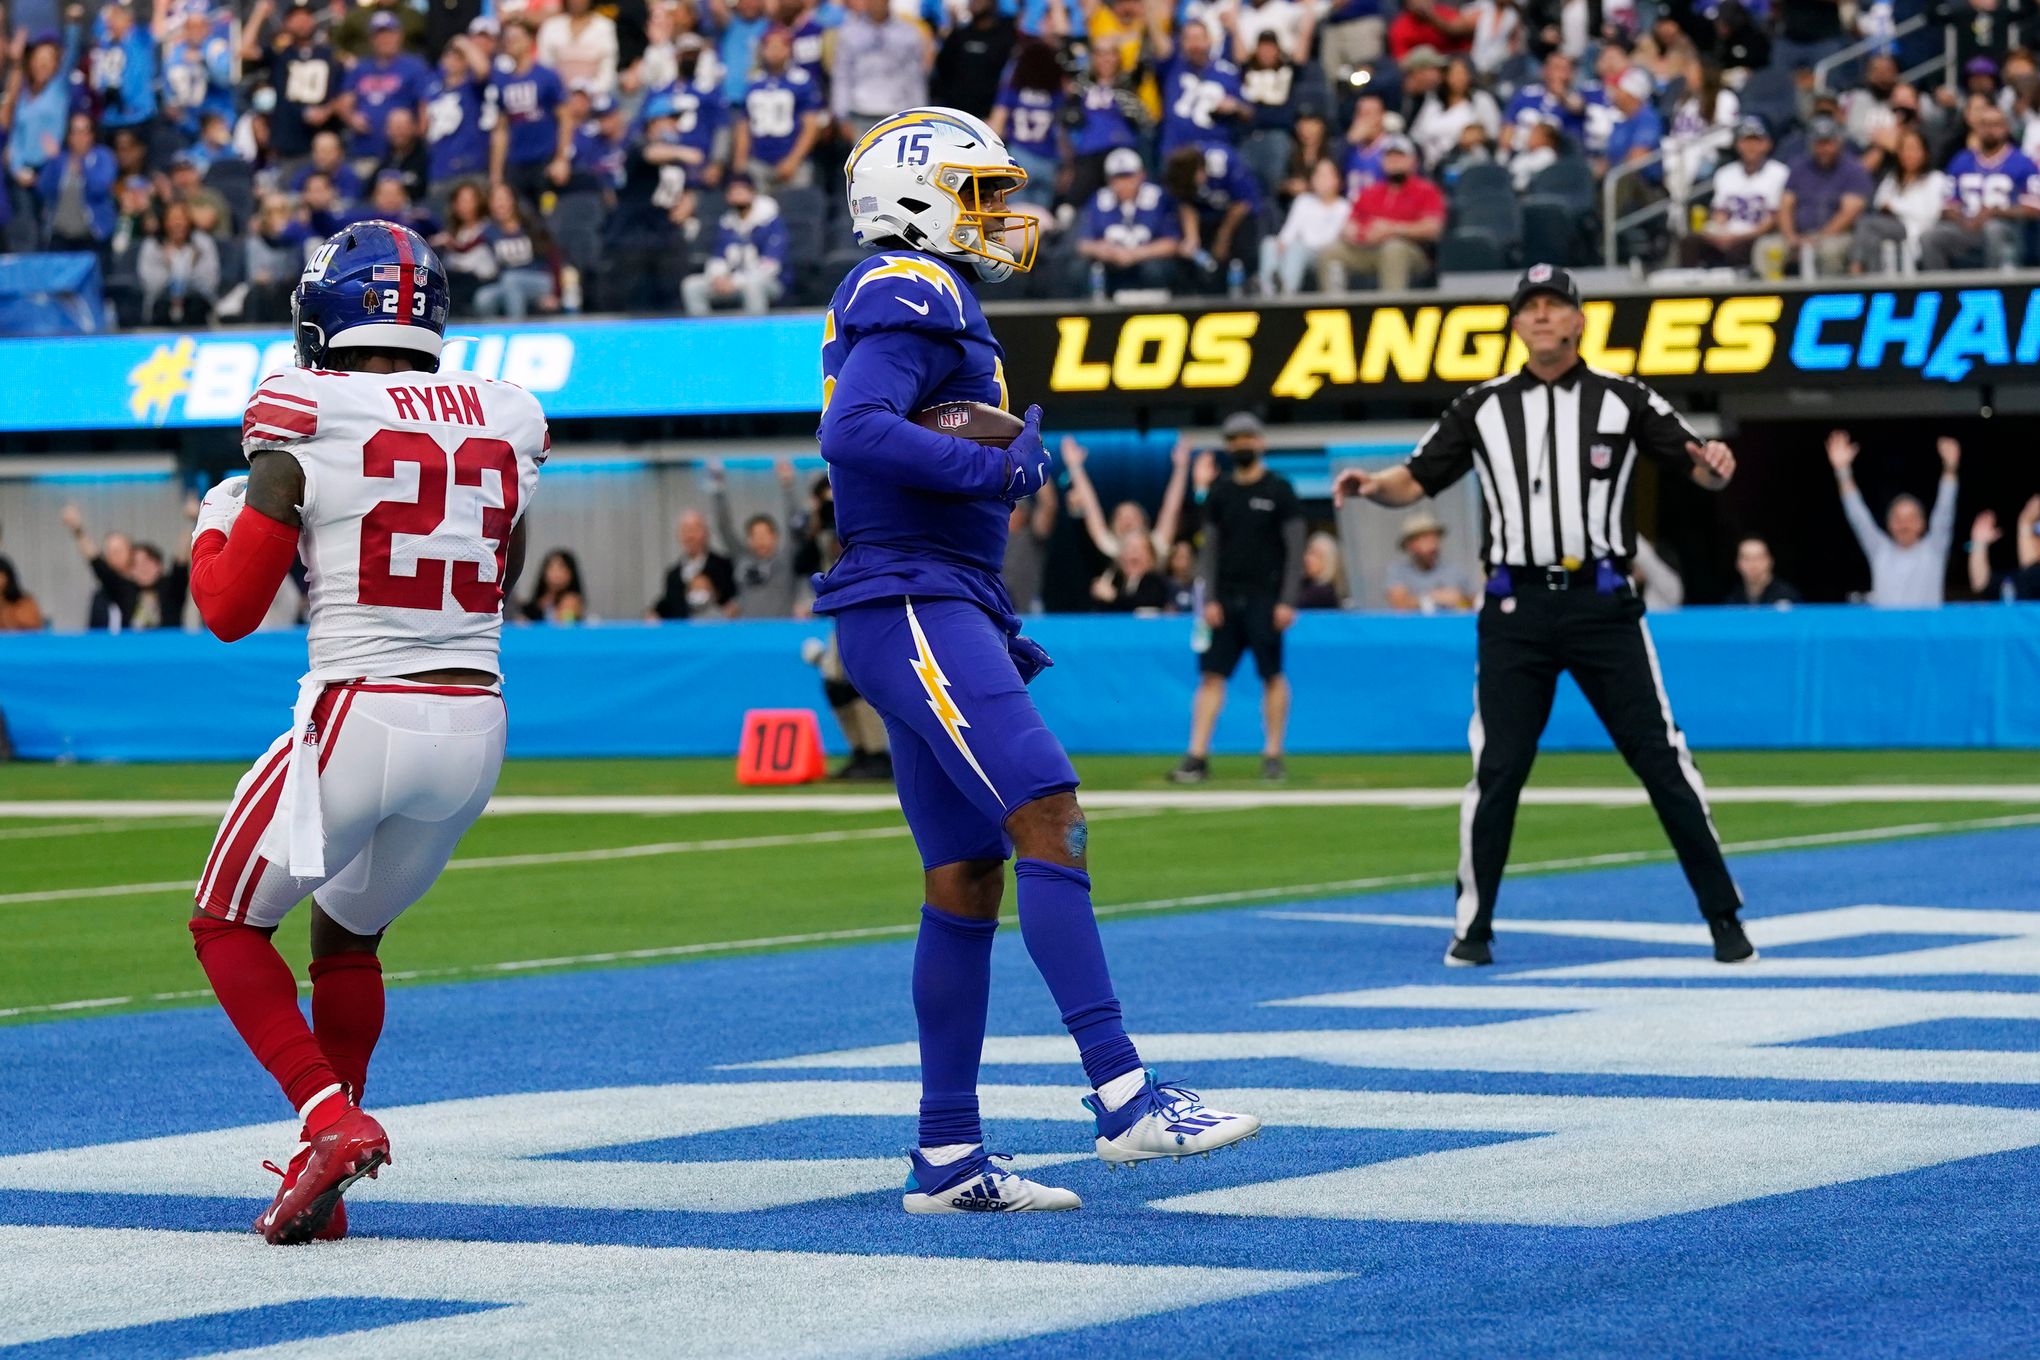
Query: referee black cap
pixel 1544 278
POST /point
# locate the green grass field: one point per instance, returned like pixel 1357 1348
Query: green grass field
pixel 97 906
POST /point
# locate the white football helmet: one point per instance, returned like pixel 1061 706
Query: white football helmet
pixel 937 179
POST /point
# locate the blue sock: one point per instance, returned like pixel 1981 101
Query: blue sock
pixel 952 987
pixel 1061 935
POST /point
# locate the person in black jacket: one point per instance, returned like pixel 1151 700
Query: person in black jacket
pixel 971 60
pixel 149 591
pixel 703 583
pixel 1759 572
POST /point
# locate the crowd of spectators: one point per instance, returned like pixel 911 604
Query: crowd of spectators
pixel 654 155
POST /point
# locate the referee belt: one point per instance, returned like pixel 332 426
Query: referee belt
pixel 1602 575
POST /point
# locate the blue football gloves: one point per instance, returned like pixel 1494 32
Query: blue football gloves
pixel 1029 658
pixel 1028 464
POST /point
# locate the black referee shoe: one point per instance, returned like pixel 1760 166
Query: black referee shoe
pixel 1730 944
pixel 1469 954
pixel 1193 770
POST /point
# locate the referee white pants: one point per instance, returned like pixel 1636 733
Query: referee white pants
pixel 403 769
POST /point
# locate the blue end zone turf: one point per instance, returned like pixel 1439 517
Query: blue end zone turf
pixel 1605 1144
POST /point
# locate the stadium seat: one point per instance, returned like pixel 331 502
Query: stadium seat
pixel 1485 200
pixel 806 214
pixel 234 180
pixel 1770 95
pixel 1569 178
pixel 1551 231
pixel 577 224
pixel 1471 249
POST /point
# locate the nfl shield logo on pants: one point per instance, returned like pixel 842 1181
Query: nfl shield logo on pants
pixel 1601 456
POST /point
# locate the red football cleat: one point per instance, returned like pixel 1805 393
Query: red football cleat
pixel 340 1154
pixel 336 1226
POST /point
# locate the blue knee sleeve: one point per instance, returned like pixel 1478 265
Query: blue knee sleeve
pixel 952 986
pixel 1061 935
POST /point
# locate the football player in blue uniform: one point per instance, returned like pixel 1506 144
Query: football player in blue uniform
pixel 930 638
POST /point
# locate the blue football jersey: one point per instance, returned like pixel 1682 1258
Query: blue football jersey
pixel 919 512
pixel 1190 100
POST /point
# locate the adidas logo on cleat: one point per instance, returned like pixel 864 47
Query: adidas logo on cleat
pixel 981 1198
pixel 1193 1125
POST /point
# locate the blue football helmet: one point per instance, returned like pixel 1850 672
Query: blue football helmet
pixel 374 285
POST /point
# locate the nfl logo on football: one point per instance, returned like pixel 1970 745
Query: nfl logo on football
pixel 955 419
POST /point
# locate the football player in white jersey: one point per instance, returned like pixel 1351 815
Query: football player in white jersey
pixel 404 490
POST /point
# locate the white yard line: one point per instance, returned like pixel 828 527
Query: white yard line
pixel 615 852
pixel 99 828
pixel 1626 795
pixel 1286 891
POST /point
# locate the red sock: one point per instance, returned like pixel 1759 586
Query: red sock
pixel 347 1013
pixel 259 994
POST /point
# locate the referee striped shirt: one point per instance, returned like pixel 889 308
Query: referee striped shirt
pixel 1556 461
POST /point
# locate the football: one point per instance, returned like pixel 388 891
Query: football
pixel 972 420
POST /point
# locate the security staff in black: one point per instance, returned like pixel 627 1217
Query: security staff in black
pixel 1252 566
pixel 1556 447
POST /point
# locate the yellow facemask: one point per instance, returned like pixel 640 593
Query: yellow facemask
pixel 977 225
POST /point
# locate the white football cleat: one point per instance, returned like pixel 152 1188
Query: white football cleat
pixel 1165 1121
pixel 973 1185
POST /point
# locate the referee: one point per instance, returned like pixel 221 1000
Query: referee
pixel 1556 446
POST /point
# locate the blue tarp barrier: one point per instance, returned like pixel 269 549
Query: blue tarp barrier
pixel 47 295
pixel 1835 676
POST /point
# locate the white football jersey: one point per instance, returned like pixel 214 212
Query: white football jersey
pixel 413 482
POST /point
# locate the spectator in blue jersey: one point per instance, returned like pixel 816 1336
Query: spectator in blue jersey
pixel 456 143
pixel 76 188
pixel 198 72
pixel 274 258
pixel 696 116
pixel 320 206
pixel 1993 198
pixel 644 239
pixel 528 149
pixel 306 78
pixel 775 125
pixel 1028 115
pixel 1640 130
pixel 736 31
pixel 1748 192
pixel 1826 192
pixel 1554 99
pixel 330 160
pixel 387 78
pixel 972 59
pixel 595 171
pixel 749 264
pixel 1132 234
pixel 122 71
pixel 39 100
pixel 1201 104
pixel 1106 114
pixel 1365 141
pixel 1219 205
pixel 524 278
pixel 215 143
pixel 1273 97
pixel 809 24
